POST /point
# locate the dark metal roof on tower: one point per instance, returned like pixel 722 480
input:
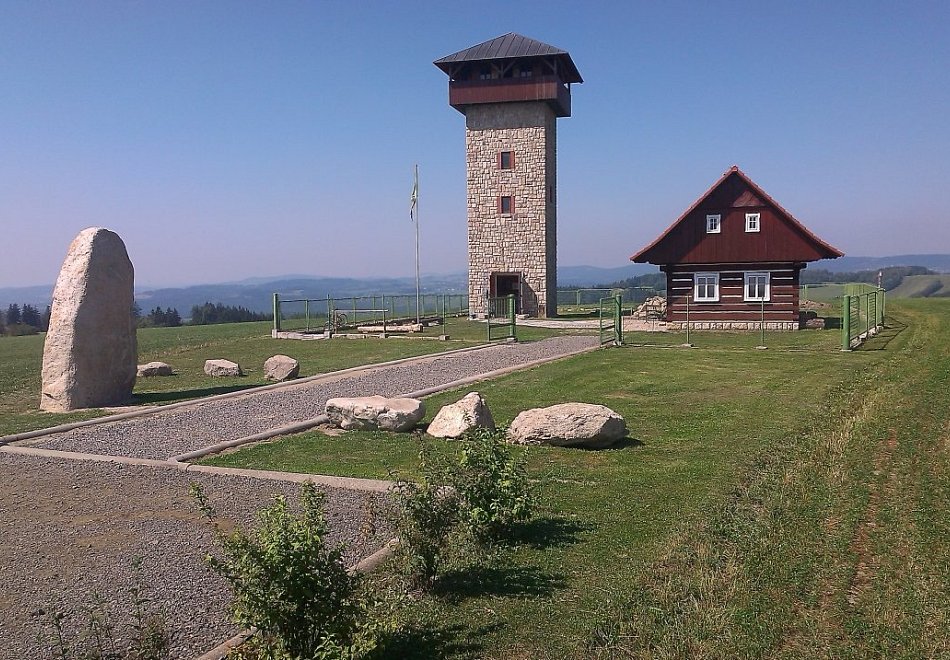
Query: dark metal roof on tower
pixel 512 46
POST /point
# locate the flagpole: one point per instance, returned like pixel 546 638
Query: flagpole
pixel 418 317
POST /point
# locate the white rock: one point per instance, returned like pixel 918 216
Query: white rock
pixel 370 413
pixel 155 369
pixel 281 367
pixel 222 368
pixel 453 420
pixel 89 358
pixel 569 425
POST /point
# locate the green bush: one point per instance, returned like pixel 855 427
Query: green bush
pixel 289 583
pixel 482 491
pixel 492 485
pixel 424 515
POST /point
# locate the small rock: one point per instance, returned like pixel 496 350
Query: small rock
pixel 370 413
pixel 568 425
pixel 280 368
pixel 222 368
pixel 155 369
pixel 453 420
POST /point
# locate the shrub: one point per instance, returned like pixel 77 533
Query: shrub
pixel 424 516
pixel 289 583
pixel 492 485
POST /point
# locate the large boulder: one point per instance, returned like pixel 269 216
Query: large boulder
pixel 155 369
pixel 568 425
pixel 222 368
pixel 370 413
pixel 453 420
pixel 281 367
pixel 90 355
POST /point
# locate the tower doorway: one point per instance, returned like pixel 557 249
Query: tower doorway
pixel 506 284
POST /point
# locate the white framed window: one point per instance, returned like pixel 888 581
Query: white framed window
pixel 752 221
pixel 756 287
pixel 713 225
pixel 706 287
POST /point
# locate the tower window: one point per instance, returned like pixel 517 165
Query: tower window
pixel 506 204
pixel 506 160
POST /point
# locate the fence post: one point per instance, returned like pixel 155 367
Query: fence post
pixel 277 312
pixel 687 318
pixel 762 324
pixel 329 315
pixel 618 319
pixel 511 314
pixel 306 313
pixel 846 322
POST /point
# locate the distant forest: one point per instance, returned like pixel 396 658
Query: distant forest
pixel 18 320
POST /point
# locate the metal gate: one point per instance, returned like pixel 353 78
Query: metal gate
pixel 611 320
pixel 501 318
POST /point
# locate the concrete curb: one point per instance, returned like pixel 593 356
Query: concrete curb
pixel 296 427
pixel 346 483
pixel 154 410
pixel 365 565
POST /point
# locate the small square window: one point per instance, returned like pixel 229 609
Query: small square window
pixel 752 222
pixel 713 225
pixel 756 287
pixel 706 288
pixel 507 160
pixel 506 205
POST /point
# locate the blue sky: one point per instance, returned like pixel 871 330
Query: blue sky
pixel 225 140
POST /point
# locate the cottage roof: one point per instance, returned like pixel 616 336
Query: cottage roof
pixel 655 253
pixel 512 46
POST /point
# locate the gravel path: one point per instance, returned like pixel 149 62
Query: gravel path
pixel 70 529
pixel 163 435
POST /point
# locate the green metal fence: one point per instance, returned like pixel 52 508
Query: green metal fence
pixel 862 314
pixel 500 318
pixel 610 316
pixel 310 315
pixel 588 300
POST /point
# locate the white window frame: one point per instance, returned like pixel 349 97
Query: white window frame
pixel 713 223
pixel 762 295
pixel 753 222
pixel 715 284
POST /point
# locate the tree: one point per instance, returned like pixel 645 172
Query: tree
pixel 13 314
pixel 30 316
pixel 44 320
pixel 172 317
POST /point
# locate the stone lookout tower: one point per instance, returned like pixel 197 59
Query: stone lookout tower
pixel 511 90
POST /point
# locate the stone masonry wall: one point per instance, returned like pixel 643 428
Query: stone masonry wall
pixel 524 242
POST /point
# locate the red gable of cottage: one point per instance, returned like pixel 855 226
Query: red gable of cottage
pixel 781 238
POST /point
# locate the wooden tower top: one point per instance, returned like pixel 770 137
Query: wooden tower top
pixel 511 68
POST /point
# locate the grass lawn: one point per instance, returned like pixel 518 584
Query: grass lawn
pixel 791 502
pixel 186 348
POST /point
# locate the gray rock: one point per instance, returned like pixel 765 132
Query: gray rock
pixel 90 354
pixel 155 369
pixel 453 420
pixel 568 425
pixel 222 368
pixel 370 413
pixel 281 367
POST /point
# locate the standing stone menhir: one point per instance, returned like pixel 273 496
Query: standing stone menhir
pixel 89 358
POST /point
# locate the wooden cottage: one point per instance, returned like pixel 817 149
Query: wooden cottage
pixel 734 256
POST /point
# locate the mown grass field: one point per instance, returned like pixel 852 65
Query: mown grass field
pixel 791 503
pixel 186 348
